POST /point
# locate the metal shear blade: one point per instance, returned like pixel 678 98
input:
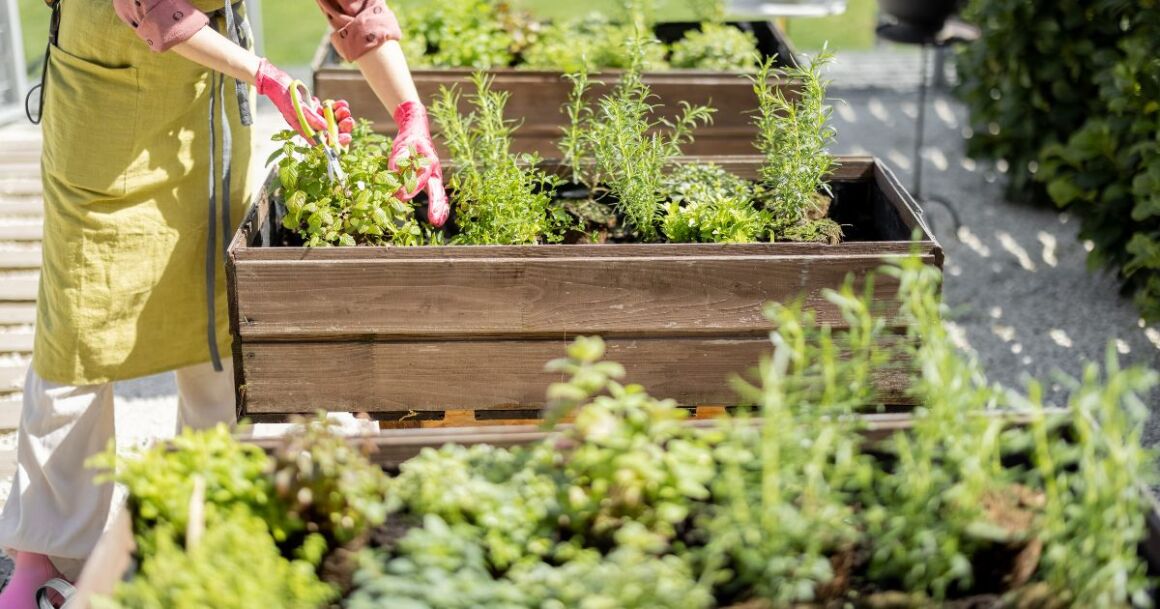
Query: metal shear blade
pixel 327 138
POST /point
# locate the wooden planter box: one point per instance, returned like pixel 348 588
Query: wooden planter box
pixel 537 97
pixel 112 561
pixel 413 332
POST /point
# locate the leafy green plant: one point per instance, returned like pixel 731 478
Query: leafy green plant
pixel 783 520
pixel 363 211
pixel 462 33
pixel 500 197
pixel 491 491
pixel 1067 97
pixel 931 505
pixel 236 565
pixel 161 480
pixel 631 506
pixel 708 204
pixel 717 47
pixel 588 44
pixel 630 147
pixel 794 136
pixel 436 566
pixel 1092 524
pixel 327 484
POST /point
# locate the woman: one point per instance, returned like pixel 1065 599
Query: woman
pixel 145 164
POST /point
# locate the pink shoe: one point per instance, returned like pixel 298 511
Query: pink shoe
pixel 32 571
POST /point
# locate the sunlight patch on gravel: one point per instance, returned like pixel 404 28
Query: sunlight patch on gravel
pixel 1008 242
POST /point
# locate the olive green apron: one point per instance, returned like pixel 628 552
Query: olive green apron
pixel 133 279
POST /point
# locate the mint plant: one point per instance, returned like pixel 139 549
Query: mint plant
pixel 500 197
pixel 363 211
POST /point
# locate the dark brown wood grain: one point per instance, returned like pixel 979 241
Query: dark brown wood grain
pixel 496 297
pixel 392 330
pixel 397 376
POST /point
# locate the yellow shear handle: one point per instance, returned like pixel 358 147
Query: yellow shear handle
pixel 331 124
pixel 331 136
pixel 296 89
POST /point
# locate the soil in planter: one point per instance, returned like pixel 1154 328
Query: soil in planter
pixel 863 212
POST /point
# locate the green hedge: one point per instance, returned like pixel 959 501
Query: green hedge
pixel 1067 92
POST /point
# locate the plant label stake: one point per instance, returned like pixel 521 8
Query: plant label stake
pixel 328 139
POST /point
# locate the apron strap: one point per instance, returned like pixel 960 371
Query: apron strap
pixel 236 31
pixel 211 238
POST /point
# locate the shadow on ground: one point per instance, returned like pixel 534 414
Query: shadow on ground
pixel 1016 278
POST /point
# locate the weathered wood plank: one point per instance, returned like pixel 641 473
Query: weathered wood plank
pixel 19 289
pixel 22 259
pixel 482 375
pixel 21 207
pixel 499 297
pixel 783 249
pixel 16 342
pixel 22 232
pixel 17 313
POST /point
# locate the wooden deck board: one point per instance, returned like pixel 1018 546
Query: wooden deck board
pixel 14 313
pixel 13 260
pixel 16 342
pixel 19 289
pixel 22 232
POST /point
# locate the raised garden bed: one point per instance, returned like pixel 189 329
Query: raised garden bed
pixel 537 95
pixel 985 497
pixel 411 332
pixel 114 558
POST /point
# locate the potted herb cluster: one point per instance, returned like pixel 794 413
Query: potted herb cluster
pixel 670 259
pixel 697 62
pixel 986 497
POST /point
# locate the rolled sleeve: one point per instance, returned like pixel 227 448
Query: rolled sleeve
pixel 360 26
pixel 161 23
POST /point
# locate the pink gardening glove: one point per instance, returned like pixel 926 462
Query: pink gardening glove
pixel 275 85
pixel 415 136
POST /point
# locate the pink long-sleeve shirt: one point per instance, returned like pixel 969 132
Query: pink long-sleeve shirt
pixel 359 25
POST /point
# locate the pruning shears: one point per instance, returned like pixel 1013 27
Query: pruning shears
pixel 329 140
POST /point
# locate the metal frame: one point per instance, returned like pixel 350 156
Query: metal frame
pixel 770 9
pixel 254 14
pixel 13 79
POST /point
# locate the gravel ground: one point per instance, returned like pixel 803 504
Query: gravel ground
pixel 1022 298
pixel 1016 280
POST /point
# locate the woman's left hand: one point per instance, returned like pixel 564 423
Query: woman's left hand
pixel 414 137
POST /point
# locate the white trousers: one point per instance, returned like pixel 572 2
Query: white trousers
pixel 55 507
